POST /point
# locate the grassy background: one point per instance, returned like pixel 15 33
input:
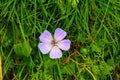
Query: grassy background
pixel 93 26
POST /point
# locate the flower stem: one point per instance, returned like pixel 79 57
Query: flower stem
pixel 59 70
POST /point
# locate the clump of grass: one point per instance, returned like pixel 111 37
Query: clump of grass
pixel 93 27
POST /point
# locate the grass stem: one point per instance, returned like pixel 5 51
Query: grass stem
pixel 59 71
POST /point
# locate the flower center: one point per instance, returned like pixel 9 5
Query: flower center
pixel 53 42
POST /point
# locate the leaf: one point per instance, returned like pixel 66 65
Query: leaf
pixel 96 48
pixel 84 51
pixel 21 49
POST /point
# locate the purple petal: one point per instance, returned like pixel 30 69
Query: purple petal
pixel 64 44
pixel 55 53
pixel 46 37
pixel 44 47
pixel 59 34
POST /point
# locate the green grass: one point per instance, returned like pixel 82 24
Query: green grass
pixel 93 26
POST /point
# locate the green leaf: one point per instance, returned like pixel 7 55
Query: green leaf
pixel 21 49
pixel 84 51
pixel 96 48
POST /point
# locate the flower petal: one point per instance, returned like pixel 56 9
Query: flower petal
pixel 64 44
pixel 59 34
pixel 44 47
pixel 55 53
pixel 46 37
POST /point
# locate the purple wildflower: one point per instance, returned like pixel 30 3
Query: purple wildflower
pixel 54 45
